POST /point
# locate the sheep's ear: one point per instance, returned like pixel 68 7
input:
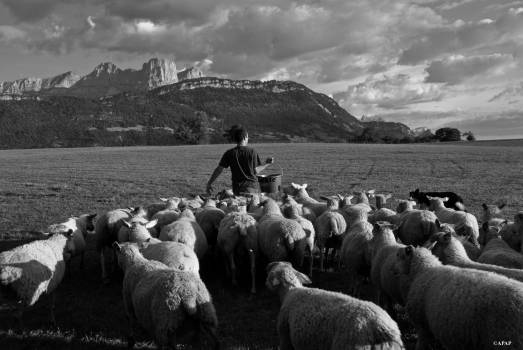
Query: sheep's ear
pixel 484 206
pixel 151 223
pixel 371 192
pixel 126 223
pixel 117 246
pixel 295 186
pixel 304 279
pixel 388 196
pixel 163 199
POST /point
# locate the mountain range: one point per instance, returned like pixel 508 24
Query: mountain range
pixel 160 105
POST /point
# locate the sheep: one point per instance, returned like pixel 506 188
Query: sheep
pixel 330 226
pixel 498 252
pixel 303 197
pixel 238 233
pixel 173 254
pixel 209 219
pixel 191 203
pixel 461 308
pixel 81 226
pixel 466 224
pixel 472 251
pixel 381 199
pixel 422 198
pixel 33 269
pixel 187 231
pixel 170 304
pixel 304 212
pixel 292 212
pixel 355 254
pixel 492 212
pixel 280 238
pixel 512 232
pixel 450 251
pixel 312 318
pixel 383 249
pixel 135 230
pixel 416 226
pixel 166 203
pixel 106 232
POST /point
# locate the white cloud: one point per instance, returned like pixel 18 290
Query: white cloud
pixel 390 92
pixel 10 33
pixel 279 74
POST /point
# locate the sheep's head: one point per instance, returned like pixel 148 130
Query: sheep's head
pixel 491 211
pixel 69 248
pixel 384 227
pixel 281 275
pixel 490 232
pixel 270 207
pixel 171 202
pixel 188 214
pixel 404 205
pixel 126 253
pixel 137 230
pixel 291 211
pixel 87 222
pixel 438 243
pixel 437 202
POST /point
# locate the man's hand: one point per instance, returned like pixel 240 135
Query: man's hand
pixel 269 160
pixel 209 189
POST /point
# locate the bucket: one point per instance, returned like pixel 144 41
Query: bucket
pixel 270 183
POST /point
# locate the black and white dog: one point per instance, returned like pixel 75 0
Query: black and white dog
pixel 454 200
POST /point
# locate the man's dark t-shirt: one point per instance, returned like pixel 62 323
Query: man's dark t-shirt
pixel 243 162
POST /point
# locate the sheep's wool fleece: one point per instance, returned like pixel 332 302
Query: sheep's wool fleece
pixel 39 265
pixel 163 301
pixel 464 308
pixel 317 319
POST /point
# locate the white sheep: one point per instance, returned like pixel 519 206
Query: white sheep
pixel 173 254
pixel 237 234
pixel 460 308
pixel 187 231
pixel 416 226
pixel 498 252
pixel 81 226
pixel 512 232
pixel 292 212
pixel 136 229
pixel 191 203
pixel 33 269
pixel 383 250
pixel 165 217
pixel 303 197
pixel 465 223
pixel 106 232
pixel 355 253
pixel 209 218
pixel 450 251
pixel 166 203
pixel 170 304
pixel 330 228
pixel 312 318
pixel 280 238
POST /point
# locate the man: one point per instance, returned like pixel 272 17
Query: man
pixel 244 163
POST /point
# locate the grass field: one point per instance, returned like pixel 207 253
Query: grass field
pixel 40 187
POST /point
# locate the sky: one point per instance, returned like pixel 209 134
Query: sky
pixel 432 63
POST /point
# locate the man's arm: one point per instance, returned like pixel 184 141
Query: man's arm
pixel 213 178
pixel 268 162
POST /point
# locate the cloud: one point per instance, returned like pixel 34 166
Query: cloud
pixel 10 33
pixel 30 10
pixel 510 92
pixel 279 74
pixel 391 92
pixel 457 68
pixel 460 36
pixel 162 10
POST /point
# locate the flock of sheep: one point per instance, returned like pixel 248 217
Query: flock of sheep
pixel 461 283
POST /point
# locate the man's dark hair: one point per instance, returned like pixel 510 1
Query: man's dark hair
pixel 237 133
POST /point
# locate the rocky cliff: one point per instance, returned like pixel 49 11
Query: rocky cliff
pixel 105 79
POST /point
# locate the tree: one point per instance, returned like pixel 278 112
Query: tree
pixel 448 134
pixel 469 136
